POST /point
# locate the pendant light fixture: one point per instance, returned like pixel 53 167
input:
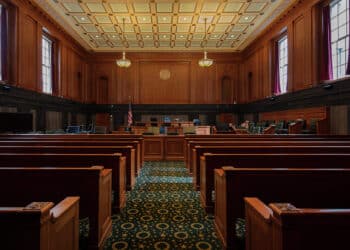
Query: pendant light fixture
pixel 123 62
pixel 205 61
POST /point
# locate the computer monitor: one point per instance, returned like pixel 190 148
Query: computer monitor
pixel 73 129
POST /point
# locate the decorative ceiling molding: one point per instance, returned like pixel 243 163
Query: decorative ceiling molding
pixel 164 25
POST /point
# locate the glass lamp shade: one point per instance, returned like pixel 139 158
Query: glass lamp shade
pixel 205 62
pixel 124 62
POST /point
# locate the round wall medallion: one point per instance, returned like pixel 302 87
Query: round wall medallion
pixel 164 74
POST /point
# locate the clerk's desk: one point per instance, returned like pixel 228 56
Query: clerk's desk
pixel 163 147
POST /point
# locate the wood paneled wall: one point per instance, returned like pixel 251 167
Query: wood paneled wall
pixel 318 113
pixel 164 78
pixel 302 24
pixel 30 21
pixel 234 78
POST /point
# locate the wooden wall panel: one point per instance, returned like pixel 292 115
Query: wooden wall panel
pixel 188 83
pixel 127 85
pixel 28 53
pixel 299 53
pixel 71 57
pixel 255 83
pixel 293 114
pixel 164 82
pixel 302 24
pixel 104 77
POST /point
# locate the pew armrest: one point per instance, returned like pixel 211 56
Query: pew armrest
pixel 63 207
pixel 259 207
pixel 64 225
pixel 258 225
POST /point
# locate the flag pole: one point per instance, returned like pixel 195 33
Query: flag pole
pixel 130 116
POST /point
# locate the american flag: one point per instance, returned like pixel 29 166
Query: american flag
pixel 129 115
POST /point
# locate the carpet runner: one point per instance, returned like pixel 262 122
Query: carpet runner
pixel 163 212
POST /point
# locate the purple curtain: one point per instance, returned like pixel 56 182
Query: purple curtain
pixel 277 86
pixel 326 62
pixel 3 45
pixel 348 68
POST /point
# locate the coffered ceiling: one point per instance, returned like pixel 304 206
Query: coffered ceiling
pixel 164 25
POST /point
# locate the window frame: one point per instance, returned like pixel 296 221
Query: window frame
pixel 54 57
pixel 275 56
pixel 335 65
pixel 278 43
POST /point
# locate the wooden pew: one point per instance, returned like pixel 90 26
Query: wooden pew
pixel 267 137
pixel 225 147
pixel 81 137
pixel 41 226
pixel 21 185
pixel 302 187
pixel 115 162
pixel 253 141
pixel 282 226
pixel 286 158
pixel 81 148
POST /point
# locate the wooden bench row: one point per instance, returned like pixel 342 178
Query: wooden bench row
pixel 308 188
pixel 282 226
pixel 41 225
pixel 267 137
pixel 255 155
pixel 19 186
pixel 114 162
pixel 81 147
pixel 210 162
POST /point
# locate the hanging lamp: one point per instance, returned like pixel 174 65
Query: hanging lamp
pixel 123 62
pixel 205 61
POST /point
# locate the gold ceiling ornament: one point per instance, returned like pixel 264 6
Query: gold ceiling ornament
pixel 123 62
pixel 205 61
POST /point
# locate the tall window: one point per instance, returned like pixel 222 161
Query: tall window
pixel 339 14
pixel 283 63
pixel 47 66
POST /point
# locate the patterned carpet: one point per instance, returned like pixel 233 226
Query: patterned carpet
pixel 163 212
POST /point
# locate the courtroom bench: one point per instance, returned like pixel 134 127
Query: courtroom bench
pixel 19 186
pixel 83 137
pixel 81 148
pixel 267 146
pixel 304 159
pixel 114 161
pixel 302 187
pixel 282 226
pixel 41 226
pixel 257 140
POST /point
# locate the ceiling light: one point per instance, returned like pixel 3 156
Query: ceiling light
pixel 205 62
pixel 82 18
pixel 124 62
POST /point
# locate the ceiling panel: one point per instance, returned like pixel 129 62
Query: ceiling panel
pixel 167 24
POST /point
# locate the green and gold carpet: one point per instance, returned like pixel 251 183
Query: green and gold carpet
pixel 163 212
